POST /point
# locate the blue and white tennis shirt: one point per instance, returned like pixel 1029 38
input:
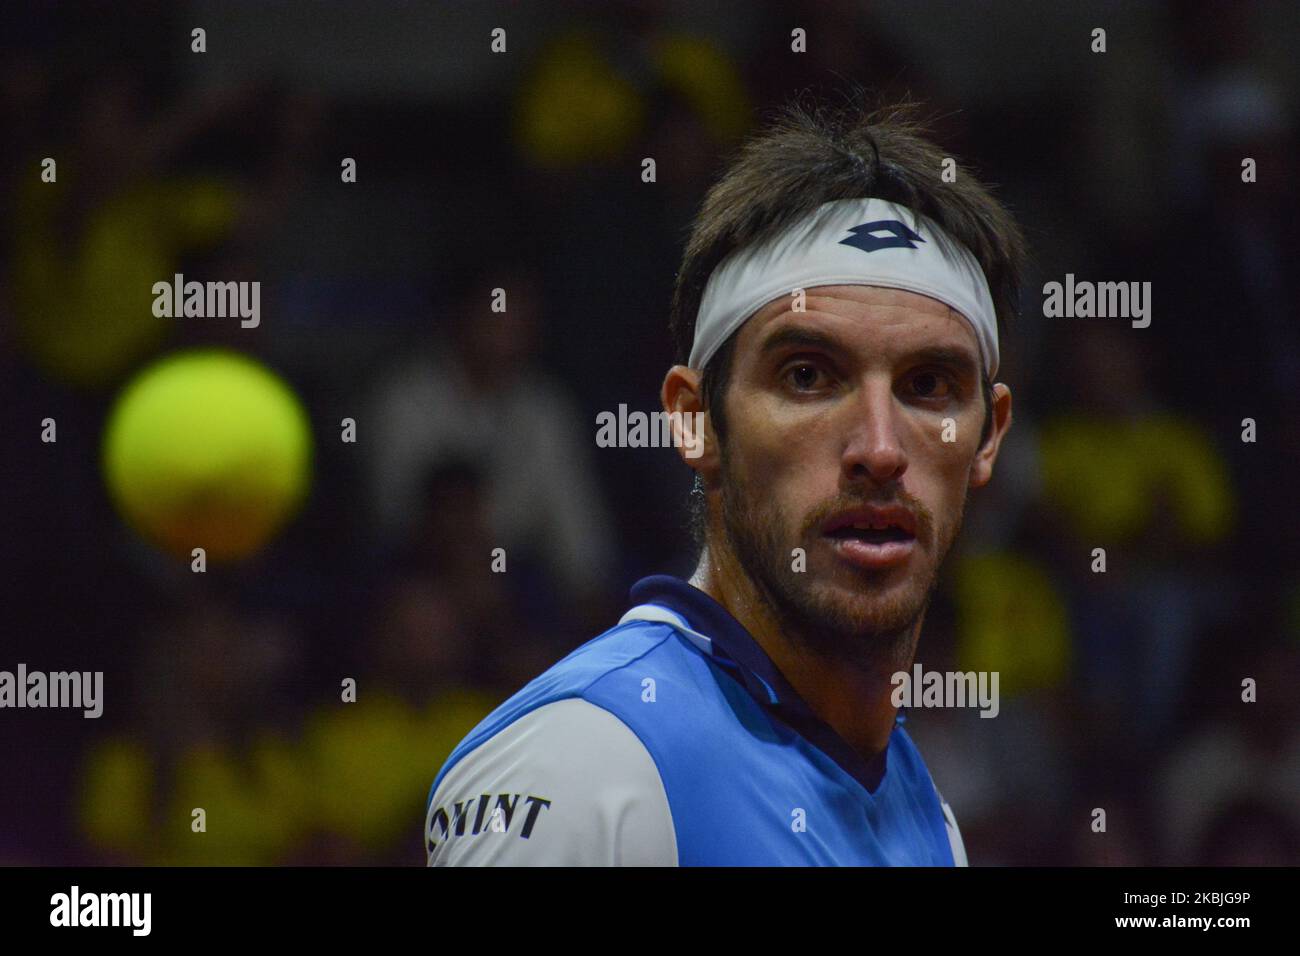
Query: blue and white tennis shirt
pixel 672 739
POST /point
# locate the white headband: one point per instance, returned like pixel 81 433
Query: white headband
pixel 847 242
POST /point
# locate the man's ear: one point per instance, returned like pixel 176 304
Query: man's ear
pixel 692 428
pixel 981 469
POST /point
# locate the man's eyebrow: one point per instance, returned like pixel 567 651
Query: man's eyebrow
pixel 806 338
pixel 958 359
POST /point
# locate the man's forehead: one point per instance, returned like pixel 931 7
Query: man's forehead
pixel 853 314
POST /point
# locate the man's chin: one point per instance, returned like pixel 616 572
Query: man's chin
pixel 860 602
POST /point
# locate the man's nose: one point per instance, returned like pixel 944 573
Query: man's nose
pixel 872 446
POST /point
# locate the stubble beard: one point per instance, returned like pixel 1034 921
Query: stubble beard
pixel 876 635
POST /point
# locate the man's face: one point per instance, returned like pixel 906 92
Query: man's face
pixel 836 418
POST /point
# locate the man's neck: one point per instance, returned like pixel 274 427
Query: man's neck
pixel 855 702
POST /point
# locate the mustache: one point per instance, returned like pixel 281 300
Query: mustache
pixel 845 502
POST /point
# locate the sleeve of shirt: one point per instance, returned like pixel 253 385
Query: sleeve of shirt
pixel 568 784
pixel 954 834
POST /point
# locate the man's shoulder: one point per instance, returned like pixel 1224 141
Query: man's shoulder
pixel 566 783
pixel 560 753
pixel 608 664
pixel 613 654
pixel 903 750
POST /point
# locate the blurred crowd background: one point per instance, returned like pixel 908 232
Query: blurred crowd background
pixel 476 429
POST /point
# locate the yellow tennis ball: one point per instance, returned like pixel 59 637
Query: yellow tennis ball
pixel 207 449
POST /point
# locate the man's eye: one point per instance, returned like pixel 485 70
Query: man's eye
pixel 931 385
pixel 804 376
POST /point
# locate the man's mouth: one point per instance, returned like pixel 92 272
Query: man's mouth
pixel 872 537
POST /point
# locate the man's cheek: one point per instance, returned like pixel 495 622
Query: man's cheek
pixel 952 437
pixel 951 465
pixel 781 503
pixel 946 516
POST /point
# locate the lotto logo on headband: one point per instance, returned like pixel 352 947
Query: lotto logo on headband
pixel 900 237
